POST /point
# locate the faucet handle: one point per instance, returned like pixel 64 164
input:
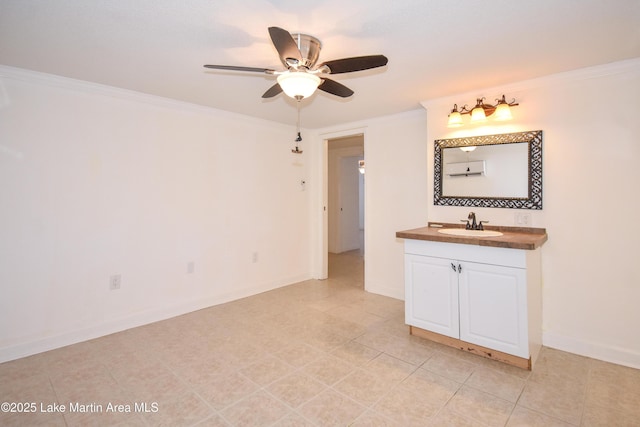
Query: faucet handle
pixel 480 227
pixel 468 226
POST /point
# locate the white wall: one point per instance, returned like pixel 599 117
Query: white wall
pixel 97 181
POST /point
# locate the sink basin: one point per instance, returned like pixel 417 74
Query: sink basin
pixel 470 233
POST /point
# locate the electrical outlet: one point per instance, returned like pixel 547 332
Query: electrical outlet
pixel 191 267
pixel 254 257
pixel 114 282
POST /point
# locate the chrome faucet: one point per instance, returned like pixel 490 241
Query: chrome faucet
pixel 473 225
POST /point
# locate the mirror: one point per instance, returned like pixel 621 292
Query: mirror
pixel 496 171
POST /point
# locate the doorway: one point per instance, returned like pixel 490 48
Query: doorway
pixel 345 185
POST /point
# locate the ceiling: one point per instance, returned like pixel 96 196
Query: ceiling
pixel 435 47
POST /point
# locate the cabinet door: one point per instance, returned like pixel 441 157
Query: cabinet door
pixel 493 307
pixel 431 294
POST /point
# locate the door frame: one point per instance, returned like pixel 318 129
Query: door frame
pixel 322 245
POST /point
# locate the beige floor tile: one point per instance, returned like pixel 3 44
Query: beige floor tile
pixel 481 407
pixel 267 370
pixel 325 340
pixel 433 388
pixel 376 340
pixel 294 420
pixel 162 388
pixel 563 400
pixel 417 399
pixel 226 390
pixel 562 366
pixel 595 416
pixel 623 376
pixel 393 326
pixel 499 384
pixel 364 387
pixel 256 409
pixel 406 407
pixel 356 353
pixel 449 367
pixel 447 418
pixel 355 313
pixel 32 419
pixel 296 389
pixel 410 349
pixel 390 368
pixel 185 410
pixel 329 369
pixel 373 419
pixel 523 417
pixel 103 410
pixel 213 421
pixel 331 408
pixel 618 396
pixel 299 354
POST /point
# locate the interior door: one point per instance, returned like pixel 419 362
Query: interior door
pixel 349 204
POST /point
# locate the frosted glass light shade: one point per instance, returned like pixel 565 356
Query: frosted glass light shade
pixel 455 119
pixel 478 115
pixel 503 112
pixel 298 84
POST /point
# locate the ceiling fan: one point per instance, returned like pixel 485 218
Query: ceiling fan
pixel 299 54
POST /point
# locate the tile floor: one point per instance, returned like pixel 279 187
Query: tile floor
pixel 317 353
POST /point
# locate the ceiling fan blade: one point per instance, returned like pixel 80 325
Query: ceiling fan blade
pixel 286 47
pixel 272 91
pixel 335 88
pixel 235 68
pixel 357 63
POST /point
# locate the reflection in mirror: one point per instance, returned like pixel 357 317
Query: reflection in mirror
pixel 489 171
pixel 504 171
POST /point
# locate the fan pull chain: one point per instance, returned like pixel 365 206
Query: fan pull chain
pixel 298 138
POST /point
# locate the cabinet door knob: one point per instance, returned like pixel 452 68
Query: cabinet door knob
pixel 459 268
pixel 453 267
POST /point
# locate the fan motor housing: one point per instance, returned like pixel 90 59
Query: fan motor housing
pixel 309 47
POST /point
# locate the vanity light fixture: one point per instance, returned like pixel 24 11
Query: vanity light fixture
pixel 479 113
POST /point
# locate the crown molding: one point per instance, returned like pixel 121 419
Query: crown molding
pixel 563 78
pixel 66 83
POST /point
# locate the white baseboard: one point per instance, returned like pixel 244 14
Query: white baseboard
pixel 386 292
pixel 595 350
pixel 112 326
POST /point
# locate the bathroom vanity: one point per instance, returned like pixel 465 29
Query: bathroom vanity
pixel 479 292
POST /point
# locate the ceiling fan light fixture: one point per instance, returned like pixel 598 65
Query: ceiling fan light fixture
pixel 298 84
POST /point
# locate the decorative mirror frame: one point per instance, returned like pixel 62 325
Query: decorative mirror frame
pixel 534 199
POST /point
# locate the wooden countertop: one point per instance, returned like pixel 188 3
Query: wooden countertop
pixel 514 237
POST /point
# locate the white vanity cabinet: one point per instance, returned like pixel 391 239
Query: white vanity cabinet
pixel 486 300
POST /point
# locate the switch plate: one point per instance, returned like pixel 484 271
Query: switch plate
pixel 254 257
pixel 114 282
pixel 191 267
pixel 523 219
